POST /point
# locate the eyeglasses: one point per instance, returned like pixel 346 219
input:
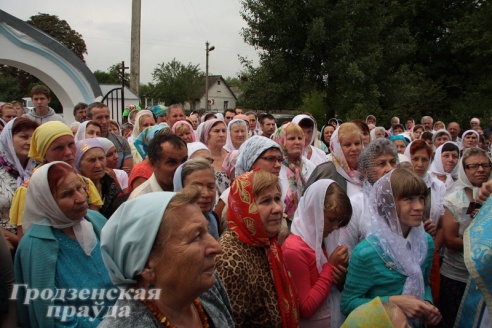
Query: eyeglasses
pixel 273 159
pixel 476 166
pixel 229 117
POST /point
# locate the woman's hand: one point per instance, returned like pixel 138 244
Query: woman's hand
pixel 339 273
pixel 414 307
pixel 432 319
pixel 430 227
pixel 339 256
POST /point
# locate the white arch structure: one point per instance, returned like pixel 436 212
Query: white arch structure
pixel 33 51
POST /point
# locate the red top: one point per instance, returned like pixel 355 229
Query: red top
pixel 141 170
pixel 313 287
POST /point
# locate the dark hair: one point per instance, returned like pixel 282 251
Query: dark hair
pixel 95 124
pixel 398 125
pixel 450 147
pixel 23 124
pixel 250 113
pixel 92 106
pixel 230 111
pixel 80 105
pixel 418 126
pixel 155 150
pixel 208 115
pixel 306 123
pixel 418 145
pixel 363 127
pixel 266 116
pixel 41 89
pixel 57 173
pixel 426 135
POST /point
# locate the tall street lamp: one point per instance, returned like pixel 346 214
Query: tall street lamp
pixel 207 50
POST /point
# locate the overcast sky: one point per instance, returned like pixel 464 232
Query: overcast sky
pixel 170 29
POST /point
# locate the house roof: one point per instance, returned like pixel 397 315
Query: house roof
pixel 105 88
pixel 212 79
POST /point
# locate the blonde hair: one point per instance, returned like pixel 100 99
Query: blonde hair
pixel 294 129
pixel 349 130
pixel 261 180
pixel 337 201
pixel 182 128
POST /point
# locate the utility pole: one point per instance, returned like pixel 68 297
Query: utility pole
pixel 135 47
pixel 123 68
pixel 207 50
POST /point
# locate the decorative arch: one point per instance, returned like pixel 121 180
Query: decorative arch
pixel 33 51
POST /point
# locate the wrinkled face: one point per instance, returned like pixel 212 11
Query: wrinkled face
pixel 71 197
pixel 101 116
pixel 92 131
pixel 410 211
pixel 328 132
pixel 217 135
pixel 420 161
pixel 252 121
pixel 192 251
pixel 480 174
pixel 379 133
pixel 146 121
pixel 381 165
pixel 61 149
pixel 40 102
pixel 238 135
pixel 205 180
pixel 175 114
pixel 449 160
pixel 112 158
pixel 294 144
pixel 22 143
pixel 194 121
pixel 268 126
pixel 80 115
pixel 171 158
pixel 441 140
pixel 270 161
pixel 93 164
pixel 453 129
pixel 427 124
pixel 470 140
pixel 8 114
pixel 270 209
pixel 351 148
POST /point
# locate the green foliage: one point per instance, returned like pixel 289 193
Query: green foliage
pixel 177 83
pixel 112 75
pixel 9 89
pixel 314 103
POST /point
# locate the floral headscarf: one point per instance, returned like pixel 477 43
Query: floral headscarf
pixel 9 159
pixel 244 220
pixel 338 158
pixel 293 170
pixel 141 143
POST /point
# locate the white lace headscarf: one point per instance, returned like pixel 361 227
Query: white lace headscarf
pixel 42 209
pixel 403 255
pixel 308 223
pixel 229 146
pixel 437 168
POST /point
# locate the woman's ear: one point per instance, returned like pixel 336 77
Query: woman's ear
pixel 148 274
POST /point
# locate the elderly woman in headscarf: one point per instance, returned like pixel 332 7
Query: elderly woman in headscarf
pixel 469 139
pixel 143 170
pixel 60 250
pixel 308 126
pixel 445 164
pixel 315 264
pixel 375 160
pixel 15 167
pixel 296 168
pixel 214 136
pixel 345 146
pixel 184 130
pixel 237 133
pixel 440 137
pixel 397 254
pixel 51 141
pixel 252 265
pixel 400 142
pixel 87 130
pixel 143 120
pixel 460 209
pixel 146 234
pixel 90 162
pixel 378 132
pixel 199 172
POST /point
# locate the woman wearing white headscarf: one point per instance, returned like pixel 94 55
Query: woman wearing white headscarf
pixel 60 248
pixel 315 264
pixel 308 126
pixel 395 259
pixel 88 129
pixel 143 120
pixel 445 164
pixel 237 133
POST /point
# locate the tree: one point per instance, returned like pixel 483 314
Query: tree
pixel 9 89
pixel 112 75
pixel 61 31
pixel 177 83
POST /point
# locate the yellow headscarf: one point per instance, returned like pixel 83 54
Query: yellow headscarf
pixel 44 135
pixel 372 314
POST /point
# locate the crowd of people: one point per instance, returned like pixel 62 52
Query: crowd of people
pixel 235 220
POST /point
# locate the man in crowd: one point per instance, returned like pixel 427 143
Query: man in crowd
pixel 267 124
pixel 251 124
pixel 228 116
pixel 99 112
pixel 239 110
pixel 79 112
pixel 454 131
pixel 42 113
pixel 475 122
pixel 409 124
pixel 427 123
pixel 166 153
pixel 175 113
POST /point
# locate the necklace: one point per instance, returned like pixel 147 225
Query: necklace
pixel 163 319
